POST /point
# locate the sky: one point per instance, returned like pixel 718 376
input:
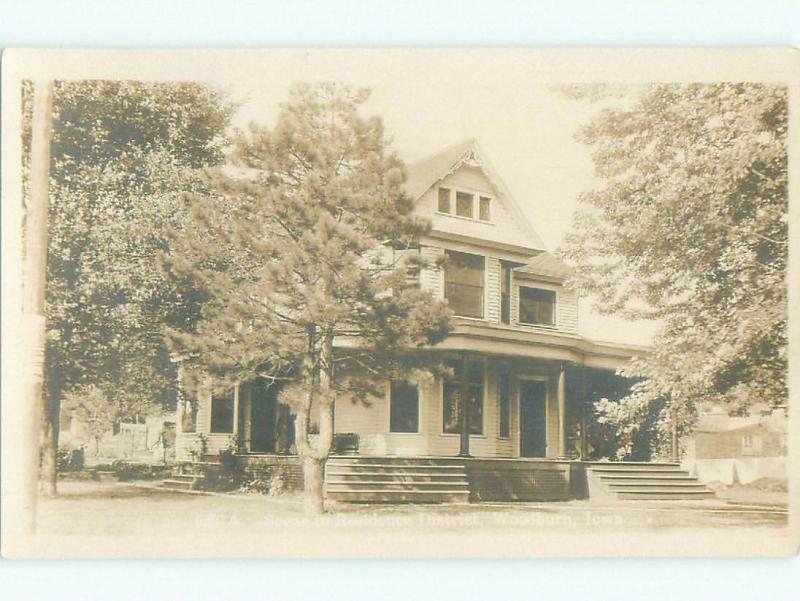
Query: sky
pixel 526 128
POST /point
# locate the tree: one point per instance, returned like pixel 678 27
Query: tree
pixel 94 409
pixel 690 228
pixel 310 276
pixel 122 155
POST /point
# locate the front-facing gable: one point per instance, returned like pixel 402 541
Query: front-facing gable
pixel 463 168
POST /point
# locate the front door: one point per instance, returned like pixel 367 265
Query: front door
pixel 264 413
pixel 532 418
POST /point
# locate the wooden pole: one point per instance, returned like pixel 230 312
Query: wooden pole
pixel 674 419
pixel 33 288
pixel 562 410
pixel 464 407
pixel 584 412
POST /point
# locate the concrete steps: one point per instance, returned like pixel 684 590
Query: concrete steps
pixel 395 480
pixel 643 481
pixel 189 475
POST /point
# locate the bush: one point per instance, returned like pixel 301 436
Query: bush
pixel 70 460
pixel 126 471
pixel 268 480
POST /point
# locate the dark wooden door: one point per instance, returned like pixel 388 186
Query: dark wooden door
pixel 532 418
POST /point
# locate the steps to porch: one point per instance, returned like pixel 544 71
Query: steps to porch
pixel 643 481
pixel 396 480
pixel 189 476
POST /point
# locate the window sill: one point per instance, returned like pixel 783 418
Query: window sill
pixel 472 219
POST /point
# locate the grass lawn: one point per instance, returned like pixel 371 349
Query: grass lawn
pixel 146 520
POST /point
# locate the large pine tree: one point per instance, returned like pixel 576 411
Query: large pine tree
pixel 308 257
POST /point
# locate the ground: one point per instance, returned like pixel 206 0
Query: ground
pixel 148 520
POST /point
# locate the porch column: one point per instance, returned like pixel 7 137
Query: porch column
pixel 562 407
pixel 584 411
pixel 180 405
pixel 236 415
pixel 464 407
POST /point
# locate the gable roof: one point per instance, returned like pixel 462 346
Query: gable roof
pixel 425 173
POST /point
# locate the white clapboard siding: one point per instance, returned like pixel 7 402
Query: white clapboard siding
pixel 492 289
pixel 432 279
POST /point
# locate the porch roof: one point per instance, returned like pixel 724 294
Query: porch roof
pixel 498 339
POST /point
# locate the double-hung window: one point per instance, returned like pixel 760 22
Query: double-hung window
pixel 222 412
pixel 464 283
pixel 537 306
pixel 451 396
pixel 403 407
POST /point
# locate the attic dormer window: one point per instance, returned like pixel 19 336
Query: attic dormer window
pixel 464 201
pixel 468 205
pixel 485 213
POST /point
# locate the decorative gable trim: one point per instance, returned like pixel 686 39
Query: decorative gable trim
pixel 470 154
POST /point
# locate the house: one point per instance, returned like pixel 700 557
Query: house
pixel 515 350
pixel 738 449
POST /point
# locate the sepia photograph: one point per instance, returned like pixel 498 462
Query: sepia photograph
pixel 398 303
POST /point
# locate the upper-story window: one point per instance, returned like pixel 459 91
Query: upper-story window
pixel 537 306
pixel 469 205
pixel 464 283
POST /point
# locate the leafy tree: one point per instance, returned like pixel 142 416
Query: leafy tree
pixel 310 276
pixel 122 155
pixel 92 407
pixel 690 228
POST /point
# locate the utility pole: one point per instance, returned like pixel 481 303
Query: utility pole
pixel 33 286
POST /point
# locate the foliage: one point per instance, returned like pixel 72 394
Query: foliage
pixel 92 407
pixel 126 471
pixel 122 153
pixel 315 244
pixel 70 460
pixel 690 228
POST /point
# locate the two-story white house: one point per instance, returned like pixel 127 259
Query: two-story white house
pixel 515 351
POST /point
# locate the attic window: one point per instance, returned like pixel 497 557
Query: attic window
pixel 468 204
pixel 484 213
pixel 464 204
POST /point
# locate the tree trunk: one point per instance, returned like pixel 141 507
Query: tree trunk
pixel 314 479
pixel 49 459
pixel 48 470
pixel 315 455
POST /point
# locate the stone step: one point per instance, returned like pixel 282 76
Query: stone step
pixel 394 476
pixel 659 487
pixel 363 460
pixel 634 467
pixel 178 484
pixel 633 495
pixel 388 467
pixel 336 486
pixel 375 496
pixel 665 476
